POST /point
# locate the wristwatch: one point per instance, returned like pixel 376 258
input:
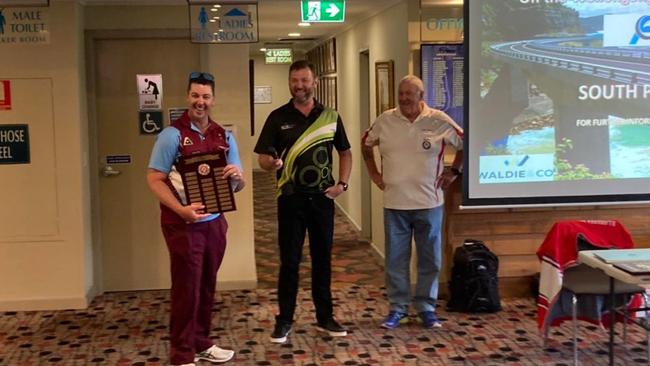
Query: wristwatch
pixel 345 185
pixel 455 171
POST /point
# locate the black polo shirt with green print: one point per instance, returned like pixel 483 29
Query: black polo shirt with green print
pixel 313 168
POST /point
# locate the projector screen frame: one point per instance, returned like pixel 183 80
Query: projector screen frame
pixel 467 202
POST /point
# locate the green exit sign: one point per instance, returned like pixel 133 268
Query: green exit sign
pixel 323 11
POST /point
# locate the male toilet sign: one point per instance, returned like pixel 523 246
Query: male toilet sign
pixel 150 91
pixel 151 122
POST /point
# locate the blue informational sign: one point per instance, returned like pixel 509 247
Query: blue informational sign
pixel 151 122
pixel 442 74
pixel 14 144
pixel 224 23
pixel 118 159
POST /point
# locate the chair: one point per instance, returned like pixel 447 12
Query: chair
pixel 561 277
pixel 588 283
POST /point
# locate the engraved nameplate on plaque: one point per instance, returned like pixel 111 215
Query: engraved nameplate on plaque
pixel 203 181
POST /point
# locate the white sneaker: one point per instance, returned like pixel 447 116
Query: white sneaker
pixel 214 354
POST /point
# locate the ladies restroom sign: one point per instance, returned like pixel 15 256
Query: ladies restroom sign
pixel 5 95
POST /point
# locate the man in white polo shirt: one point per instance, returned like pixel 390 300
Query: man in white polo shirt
pixel 411 140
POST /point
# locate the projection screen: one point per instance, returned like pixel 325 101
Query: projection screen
pixel 557 107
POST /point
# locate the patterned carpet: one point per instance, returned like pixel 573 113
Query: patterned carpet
pixel 130 328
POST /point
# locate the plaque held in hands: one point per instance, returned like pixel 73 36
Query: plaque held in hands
pixel 204 183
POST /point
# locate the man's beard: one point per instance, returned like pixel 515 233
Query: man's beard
pixel 305 96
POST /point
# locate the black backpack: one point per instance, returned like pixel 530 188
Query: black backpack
pixel 474 285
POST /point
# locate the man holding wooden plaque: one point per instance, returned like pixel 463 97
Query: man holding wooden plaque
pixel 194 169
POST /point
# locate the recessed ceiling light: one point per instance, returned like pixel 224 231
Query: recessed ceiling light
pixel 294 34
pixel 214 9
pixel 263 49
pixel 216 6
pixel 304 24
pixel 212 21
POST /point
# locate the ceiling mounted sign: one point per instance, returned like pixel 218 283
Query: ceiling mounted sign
pixel 278 56
pixel 326 11
pixel 223 22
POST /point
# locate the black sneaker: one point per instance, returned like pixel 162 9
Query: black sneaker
pixel 333 328
pixel 280 332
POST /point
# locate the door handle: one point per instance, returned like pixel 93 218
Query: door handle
pixel 108 171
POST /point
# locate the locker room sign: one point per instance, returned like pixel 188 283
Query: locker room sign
pixel 24 25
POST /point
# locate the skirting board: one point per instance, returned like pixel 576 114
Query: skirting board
pixel 60 303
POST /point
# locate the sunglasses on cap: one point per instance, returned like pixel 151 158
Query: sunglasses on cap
pixel 201 75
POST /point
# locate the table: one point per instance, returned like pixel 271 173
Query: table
pixel 589 258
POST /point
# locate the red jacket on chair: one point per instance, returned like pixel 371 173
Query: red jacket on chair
pixel 559 251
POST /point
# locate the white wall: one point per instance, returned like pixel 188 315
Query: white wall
pixel 50 270
pixel 385 36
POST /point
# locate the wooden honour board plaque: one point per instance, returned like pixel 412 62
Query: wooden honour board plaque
pixel 203 181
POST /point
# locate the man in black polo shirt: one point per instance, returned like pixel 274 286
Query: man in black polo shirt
pixel 297 141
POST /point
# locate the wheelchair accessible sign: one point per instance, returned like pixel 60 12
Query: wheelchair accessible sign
pixel 151 122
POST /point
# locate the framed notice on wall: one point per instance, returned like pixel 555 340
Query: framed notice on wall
pixel 442 74
pixel 384 85
pixel 262 94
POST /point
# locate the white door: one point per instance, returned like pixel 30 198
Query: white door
pixel 134 255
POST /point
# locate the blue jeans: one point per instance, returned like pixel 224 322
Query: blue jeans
pixel 399 227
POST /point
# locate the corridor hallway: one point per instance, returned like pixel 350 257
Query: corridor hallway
pixel 353 261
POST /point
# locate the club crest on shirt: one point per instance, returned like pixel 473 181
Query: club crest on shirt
pixel 426 145
pixel 287 126
pixel 187 141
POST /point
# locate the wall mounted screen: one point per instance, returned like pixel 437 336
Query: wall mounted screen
pixel 558 108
